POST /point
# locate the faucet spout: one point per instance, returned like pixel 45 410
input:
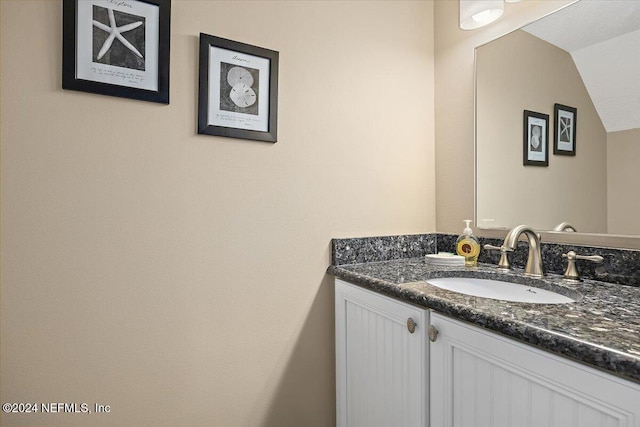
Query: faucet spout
pixel 566 227
pixel 534 260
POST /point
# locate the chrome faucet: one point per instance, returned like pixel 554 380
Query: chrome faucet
pixel 566 227
pixel 534 260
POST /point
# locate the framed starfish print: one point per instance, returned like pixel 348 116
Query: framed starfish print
pixel 564 132
pixel 238 95
pixel 117 47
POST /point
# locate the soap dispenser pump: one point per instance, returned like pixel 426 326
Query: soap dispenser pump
pixel 468 245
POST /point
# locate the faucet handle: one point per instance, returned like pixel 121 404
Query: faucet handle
pixel 503 264
pixel 571 272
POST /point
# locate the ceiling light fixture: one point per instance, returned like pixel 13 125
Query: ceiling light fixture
pixel 478 13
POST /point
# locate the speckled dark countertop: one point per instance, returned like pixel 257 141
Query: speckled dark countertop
pixel 602 329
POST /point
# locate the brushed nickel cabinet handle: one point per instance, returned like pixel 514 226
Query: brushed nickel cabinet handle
pixel 411 325
pixel 433 333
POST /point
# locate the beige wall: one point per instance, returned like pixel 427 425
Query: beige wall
pixel 454 67
pixel 520 72
pixel 181 278
pixel 623 152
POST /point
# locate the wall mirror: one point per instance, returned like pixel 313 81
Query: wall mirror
pixel 585 56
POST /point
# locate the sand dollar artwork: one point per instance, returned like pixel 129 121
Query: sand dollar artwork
pixel 239 75
pixel 242 95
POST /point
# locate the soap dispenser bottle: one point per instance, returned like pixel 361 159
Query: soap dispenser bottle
pixel 468 246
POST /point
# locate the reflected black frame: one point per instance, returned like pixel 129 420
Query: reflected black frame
pixel 556 136
pixel 271 135
pixel 525 147
pixel 69 80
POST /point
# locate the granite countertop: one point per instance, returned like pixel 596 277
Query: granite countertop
pixel 602 329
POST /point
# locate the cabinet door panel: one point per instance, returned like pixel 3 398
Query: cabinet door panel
pixel 540 397
pixel 381 367
pixel 497 392
pixel 479 378
pixel 464 381
pixel 589 417
pixel 520 400
pixel 483 397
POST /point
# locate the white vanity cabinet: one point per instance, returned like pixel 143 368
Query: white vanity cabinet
pixel 381 360
pixel 467 376
pixel 480 378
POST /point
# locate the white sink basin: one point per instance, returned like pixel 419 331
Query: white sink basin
pixel 494 289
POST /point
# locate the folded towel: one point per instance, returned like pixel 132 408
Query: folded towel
pixel 444 259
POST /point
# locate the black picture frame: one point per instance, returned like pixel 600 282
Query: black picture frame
pixel 133 65
pixel 535 139
pixel 564 130
pixel 238 90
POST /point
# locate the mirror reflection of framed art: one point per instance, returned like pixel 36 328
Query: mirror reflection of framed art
pixel 564 130
pixel 117 48
pixel 536 139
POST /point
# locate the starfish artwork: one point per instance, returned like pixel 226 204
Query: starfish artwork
pixel 565 129
pixel 124 52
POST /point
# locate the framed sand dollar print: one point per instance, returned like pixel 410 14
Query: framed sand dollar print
pixel 238 94
pixel 536 139
pixel 117 47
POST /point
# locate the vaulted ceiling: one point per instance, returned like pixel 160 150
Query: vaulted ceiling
pixel 603 37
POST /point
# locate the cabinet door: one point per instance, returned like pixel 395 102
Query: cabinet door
pixel 381 367
pixel 480 378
